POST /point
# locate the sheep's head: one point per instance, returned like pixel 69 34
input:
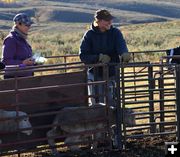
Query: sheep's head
pixel 24 123
pixel 129 117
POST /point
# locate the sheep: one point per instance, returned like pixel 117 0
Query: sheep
pixel 68 121
pixel 9 122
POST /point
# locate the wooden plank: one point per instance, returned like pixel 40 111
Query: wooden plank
pixel 45 95
pixel 39 81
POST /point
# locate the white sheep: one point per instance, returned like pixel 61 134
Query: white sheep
pixel 12 121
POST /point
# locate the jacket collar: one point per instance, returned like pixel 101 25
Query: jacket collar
pixel 97 30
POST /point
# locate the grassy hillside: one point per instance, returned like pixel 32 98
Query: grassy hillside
pixel 56 39
pixel 152 36
pixel 60 24
pixel 126 11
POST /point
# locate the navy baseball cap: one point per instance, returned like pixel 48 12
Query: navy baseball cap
pixel 103 14
pixel 23 18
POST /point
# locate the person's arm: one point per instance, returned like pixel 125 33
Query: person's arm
pixel 121 46
pixel 85 51
pixel 9 51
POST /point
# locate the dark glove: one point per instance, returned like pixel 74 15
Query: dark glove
pixel 104 58
pixel 126 57
pixel 2 65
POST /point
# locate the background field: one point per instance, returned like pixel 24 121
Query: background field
pixel 60 24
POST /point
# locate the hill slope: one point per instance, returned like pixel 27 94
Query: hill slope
pixel 81 11
pixel 60 24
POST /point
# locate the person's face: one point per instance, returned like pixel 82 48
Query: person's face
pixel 104 25
pixel 23 28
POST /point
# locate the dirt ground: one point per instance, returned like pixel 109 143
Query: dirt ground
pixel 142 147
pixel 145 147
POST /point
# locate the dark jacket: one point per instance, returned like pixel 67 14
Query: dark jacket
pixel 173 52
pixel 16 49
pixel 95 42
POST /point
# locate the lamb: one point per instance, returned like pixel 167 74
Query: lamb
pixel 70 119
pixel 13 124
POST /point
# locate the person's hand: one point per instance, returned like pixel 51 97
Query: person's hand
pixel 28 61
pixel 126 57
pixel 104 58
pixel 2 65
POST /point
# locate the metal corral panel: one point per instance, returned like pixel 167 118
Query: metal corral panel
pixel 41 97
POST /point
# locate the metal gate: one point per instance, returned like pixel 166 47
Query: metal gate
pixel 152 92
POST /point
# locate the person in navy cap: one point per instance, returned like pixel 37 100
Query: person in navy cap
pixel 16 51
pixel 105 44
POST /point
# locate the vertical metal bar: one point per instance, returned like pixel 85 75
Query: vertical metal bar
pixel 151 98
pixel 106 99
pixel 118 110
pixel 161 96
pixel 17 107
pixel 105 86
pixel 178 101
pixel 122 98
pixel 65 61
pixel 86 87
pixel 96 87
pixel 134 73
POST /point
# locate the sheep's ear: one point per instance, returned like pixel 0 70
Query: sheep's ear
pixel 102 104
pixel 112 108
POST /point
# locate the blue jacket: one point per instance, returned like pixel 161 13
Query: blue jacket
pixel 95 42
pixel 16 49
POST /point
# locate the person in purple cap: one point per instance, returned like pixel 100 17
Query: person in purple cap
pixel 15 50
